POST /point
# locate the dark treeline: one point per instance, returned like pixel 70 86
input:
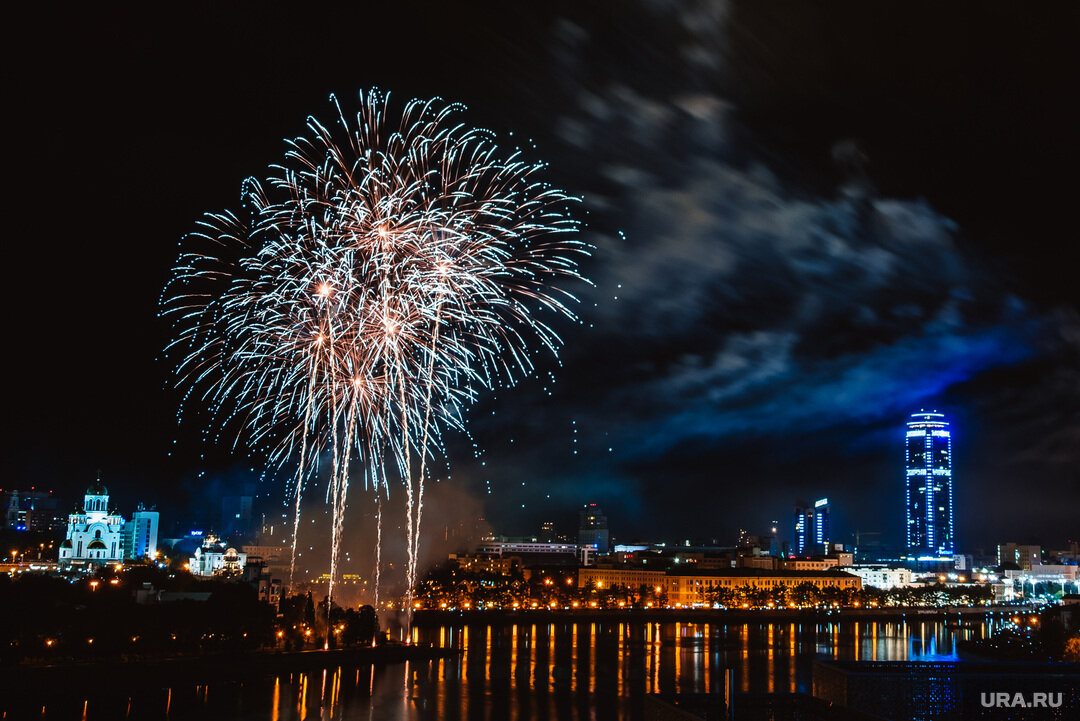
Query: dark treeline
pixel 808 594
pixel 52 619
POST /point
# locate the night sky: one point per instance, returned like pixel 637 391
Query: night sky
pixel 810 220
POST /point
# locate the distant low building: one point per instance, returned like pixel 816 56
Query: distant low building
pixel 763 562
pixel 1023 556
pixel 1046 574
pixel 690 587
pixel 268 553
pixel 269 589
pixel 884 577
pixel 33 511
pixel 485 562
pixel 213 558
pixel 818 563
pixel 275 559
pixel 515 547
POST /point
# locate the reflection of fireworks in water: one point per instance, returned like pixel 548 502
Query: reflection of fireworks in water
pixel 371 286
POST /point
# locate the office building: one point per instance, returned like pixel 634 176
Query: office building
pixel 822 537
pixel 928 486
pixel 593 529
pixel 238 518
pixel 812 535
pixel 1024 556
pixel 140 534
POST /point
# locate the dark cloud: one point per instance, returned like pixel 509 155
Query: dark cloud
pixel 738 303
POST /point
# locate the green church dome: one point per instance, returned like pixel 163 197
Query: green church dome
pixel 97 488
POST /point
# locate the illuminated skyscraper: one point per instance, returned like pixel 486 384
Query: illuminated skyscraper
pixel 821 525
pixel 928 486
pixel 804 522
pixel 811 527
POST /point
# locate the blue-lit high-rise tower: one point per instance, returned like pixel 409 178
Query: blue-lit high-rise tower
pixel 928 487
pixel 811 527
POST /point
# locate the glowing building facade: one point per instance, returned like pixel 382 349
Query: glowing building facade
pixel 928 487
pixel 94 532
pixel 140 535
pixel 811 527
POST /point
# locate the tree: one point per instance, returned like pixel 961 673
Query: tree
pixel 1072 650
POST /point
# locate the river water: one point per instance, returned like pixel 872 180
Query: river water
pixel 566 670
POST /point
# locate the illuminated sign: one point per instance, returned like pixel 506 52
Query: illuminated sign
pixel 822 502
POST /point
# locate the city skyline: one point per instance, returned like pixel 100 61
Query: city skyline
pixel 814 243
pixel 929 531
pixel 584 359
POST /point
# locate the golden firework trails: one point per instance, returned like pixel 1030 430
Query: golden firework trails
pixel 379 278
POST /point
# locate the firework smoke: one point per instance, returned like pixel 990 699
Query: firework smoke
pixel 383 275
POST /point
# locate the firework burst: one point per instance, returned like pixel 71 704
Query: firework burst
pixel 381 277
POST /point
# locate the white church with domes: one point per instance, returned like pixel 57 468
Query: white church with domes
pixel 94 535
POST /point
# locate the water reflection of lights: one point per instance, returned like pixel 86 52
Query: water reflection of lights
pixel 572 670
